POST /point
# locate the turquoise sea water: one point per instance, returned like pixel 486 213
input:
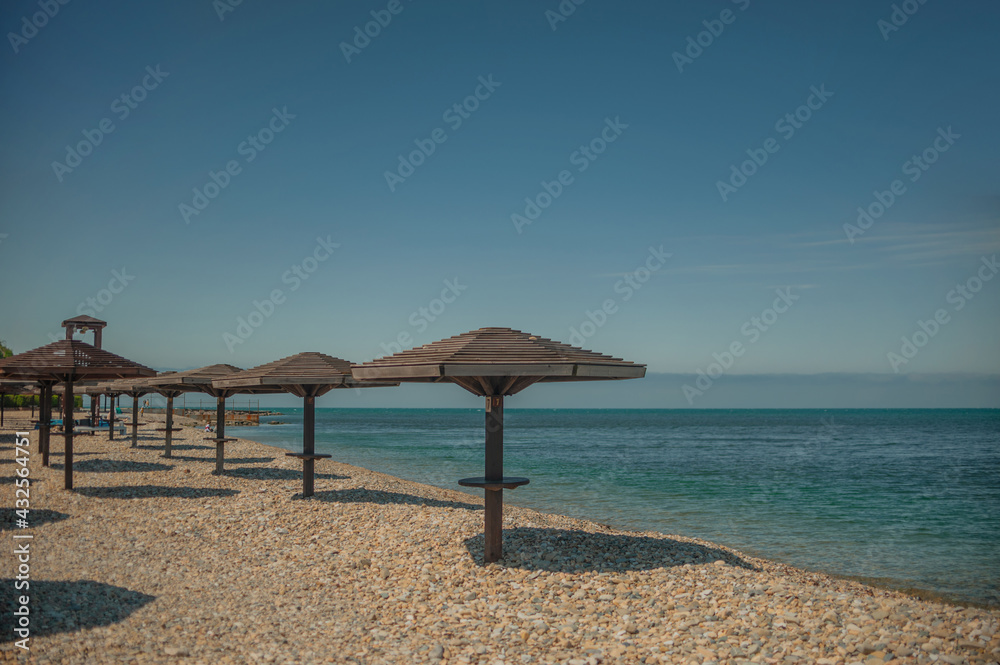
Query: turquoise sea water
pixel 908 498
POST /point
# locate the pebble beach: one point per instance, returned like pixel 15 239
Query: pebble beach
pixel 156 560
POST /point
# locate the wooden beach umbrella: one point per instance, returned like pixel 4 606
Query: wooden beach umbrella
pixel 200 381
pixel 494 363
pixel 95 391
pixel 68 361
pixel 134 388
pixel 170 392
pixel 308 375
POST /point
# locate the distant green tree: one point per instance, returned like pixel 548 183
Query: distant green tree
pixel 5 351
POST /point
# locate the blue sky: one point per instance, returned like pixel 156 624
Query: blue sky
pixel 644 126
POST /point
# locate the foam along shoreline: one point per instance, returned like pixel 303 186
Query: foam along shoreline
pixel 153 559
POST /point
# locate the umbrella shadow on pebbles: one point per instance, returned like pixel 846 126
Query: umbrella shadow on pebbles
pixel 561 550
pixel 7 439
pixel 229 460
pixel 378 496
pixel 35 518
pixel 115 466
pixel 10 480
pixel 63 606
pixel 272 473
pixel 154 491
pixel 175 446
pixel 142 437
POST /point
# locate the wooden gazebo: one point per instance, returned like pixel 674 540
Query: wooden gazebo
pixel 308 375
pixel 67 361
pixel 201 381
pixel 494 363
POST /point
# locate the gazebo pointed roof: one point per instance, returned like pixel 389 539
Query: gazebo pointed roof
pixel 70 359
pixel 497 361
pixel 303 370
pixel 85 320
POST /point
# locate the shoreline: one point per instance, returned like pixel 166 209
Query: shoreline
pixel 386 570
pixel 887 584
pixel 938 583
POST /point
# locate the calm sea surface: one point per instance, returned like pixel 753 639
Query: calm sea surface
pixel 907 498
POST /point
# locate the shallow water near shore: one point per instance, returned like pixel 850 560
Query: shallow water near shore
pixel 910 498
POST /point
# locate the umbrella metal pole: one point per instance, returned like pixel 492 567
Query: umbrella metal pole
pixel 169 426
pixel 493 529
pixel 68 432
pixel 220 434
pixel 308 445
pixel 112 398
pixel 41 416
pixel 45 418
pixel 135 421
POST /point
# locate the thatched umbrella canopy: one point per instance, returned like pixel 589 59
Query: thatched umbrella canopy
pixel 308 375
pixel 494 363
pixel 68 361
pixel 201 381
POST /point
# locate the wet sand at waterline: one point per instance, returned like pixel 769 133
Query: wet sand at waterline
pixel 156 560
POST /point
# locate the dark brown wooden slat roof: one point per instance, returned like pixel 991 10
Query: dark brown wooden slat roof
pixel 496 345
pixel 138 385
pixel 201 381
pixel 84 320
pixel 195 377
pixel 492 353
pixel 120 386
pixel 70 358
pixel 303 369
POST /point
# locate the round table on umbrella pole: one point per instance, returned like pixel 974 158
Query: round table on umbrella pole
pixel 168 425
pixel 494 482
pixel 135 395
pixel 308 454
pixel 220 434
